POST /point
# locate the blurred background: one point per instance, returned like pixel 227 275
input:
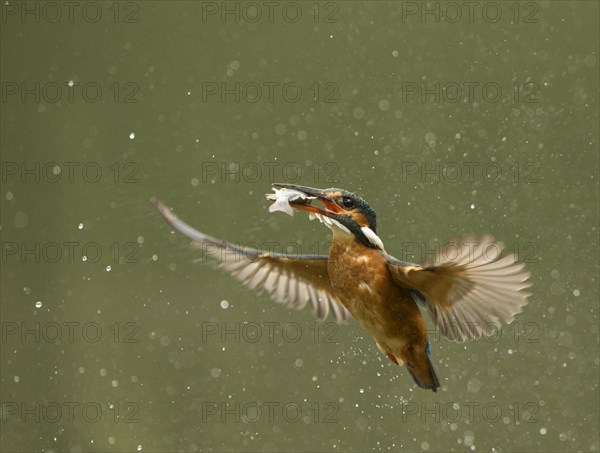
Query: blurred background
pixel 449 118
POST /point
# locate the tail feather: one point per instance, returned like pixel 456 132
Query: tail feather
pixel 424 373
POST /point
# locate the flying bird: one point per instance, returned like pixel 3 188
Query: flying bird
pixel 360 280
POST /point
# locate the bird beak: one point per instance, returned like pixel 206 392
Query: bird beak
pixel 331 207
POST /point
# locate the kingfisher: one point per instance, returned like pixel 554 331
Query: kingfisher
pixel 463 294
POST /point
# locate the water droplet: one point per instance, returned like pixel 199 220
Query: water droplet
pixel 280 129
pixel 21 220
pixel 431 139
pixel 38 304
pixel 358 113
pixel 469 438
pixel 590 60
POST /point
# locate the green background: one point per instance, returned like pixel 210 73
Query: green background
pixel 155 370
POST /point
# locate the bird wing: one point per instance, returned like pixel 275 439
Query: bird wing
pixel 464 295
pixel 289 279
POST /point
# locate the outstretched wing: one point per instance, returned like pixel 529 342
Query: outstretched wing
pixel 468 292
pixel 289 279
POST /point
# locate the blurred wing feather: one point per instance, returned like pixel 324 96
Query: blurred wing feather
pixel 288 279
pixel 466 294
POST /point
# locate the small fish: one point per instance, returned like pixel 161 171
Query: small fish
pixel 282 198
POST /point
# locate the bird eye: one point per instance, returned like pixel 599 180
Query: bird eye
pixel 348 202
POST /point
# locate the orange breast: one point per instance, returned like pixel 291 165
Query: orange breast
pixel 363 283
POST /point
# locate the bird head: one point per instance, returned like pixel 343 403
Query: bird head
pixel 342 211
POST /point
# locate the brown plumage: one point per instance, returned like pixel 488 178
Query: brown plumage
pixel 362 280
pixel 359 279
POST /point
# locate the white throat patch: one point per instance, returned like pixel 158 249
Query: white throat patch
pixel 334 225
pixel 329 222
pixel 372 237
